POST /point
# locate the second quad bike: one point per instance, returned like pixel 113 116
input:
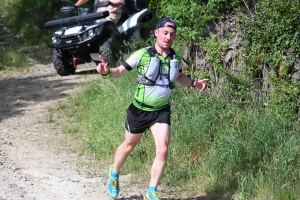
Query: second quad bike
pixel 80 39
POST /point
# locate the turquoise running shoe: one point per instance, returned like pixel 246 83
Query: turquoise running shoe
pixel 153 195
pixel 112 185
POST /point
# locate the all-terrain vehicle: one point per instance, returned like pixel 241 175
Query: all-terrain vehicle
pixel 80 39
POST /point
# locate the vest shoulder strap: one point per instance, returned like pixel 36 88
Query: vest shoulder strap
pixel 172 53
pixel 151 51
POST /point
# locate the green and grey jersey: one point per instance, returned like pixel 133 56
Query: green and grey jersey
pixel 157 96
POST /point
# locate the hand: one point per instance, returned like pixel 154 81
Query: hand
pixel 102 67
pixel 201 84
pixel 76 7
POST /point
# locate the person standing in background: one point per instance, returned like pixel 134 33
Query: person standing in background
pixel 114 7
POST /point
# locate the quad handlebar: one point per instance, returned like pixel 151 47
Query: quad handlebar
pixel 76 19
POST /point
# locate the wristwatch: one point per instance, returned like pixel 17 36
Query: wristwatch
pixel 193 82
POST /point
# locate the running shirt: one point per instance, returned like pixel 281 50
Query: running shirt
pixel 156 97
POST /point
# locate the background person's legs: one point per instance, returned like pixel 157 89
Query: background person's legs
pixel 114 17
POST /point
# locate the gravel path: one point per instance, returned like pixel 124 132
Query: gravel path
pixel 32 164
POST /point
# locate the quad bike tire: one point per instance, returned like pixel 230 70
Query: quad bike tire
pixel 61 65
pixel 110 51
pixel 146 33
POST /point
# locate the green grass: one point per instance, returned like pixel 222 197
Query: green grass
pixel 12 58
pixel 217 147
pixel 15 58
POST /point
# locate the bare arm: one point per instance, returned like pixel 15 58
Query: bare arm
pixel 185 80
pixel 117 2
pixel 80 2
pixel 103 69
pixel 119 71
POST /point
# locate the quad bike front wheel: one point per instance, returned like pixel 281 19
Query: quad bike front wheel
pixel 110 50
pixel 61 65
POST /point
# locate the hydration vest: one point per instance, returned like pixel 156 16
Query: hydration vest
pixel 154 69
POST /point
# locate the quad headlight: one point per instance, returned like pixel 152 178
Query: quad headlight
pixel 54 40
pixel 91 33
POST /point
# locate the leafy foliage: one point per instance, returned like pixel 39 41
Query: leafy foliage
pixel 275 27
pixel 27 18
pixel 193 16
pixel 273 37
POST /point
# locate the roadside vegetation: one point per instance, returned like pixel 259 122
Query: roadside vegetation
pixel 28 40
pixel 240 138
pixel 10 56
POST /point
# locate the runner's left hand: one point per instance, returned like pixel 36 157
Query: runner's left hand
pixel 201 83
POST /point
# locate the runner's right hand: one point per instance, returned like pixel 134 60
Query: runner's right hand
pixel 102 67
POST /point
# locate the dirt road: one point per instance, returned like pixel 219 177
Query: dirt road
pixel 33 162
pixel 32 165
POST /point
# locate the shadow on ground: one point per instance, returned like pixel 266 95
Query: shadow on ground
pixel 87 72
pixel 191 198
pixel 18 93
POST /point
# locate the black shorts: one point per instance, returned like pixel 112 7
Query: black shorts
pixel 138 121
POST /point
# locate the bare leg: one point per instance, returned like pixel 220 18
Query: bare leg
pixel 161 135
pixel 125 149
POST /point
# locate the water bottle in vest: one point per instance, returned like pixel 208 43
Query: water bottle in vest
pixel 153 68
pixel 173 69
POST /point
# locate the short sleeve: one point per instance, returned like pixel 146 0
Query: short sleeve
pixel 135 59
